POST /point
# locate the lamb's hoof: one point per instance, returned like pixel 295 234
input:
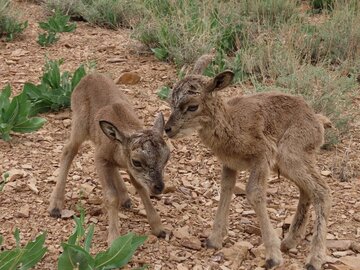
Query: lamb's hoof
pixel 55 212
pixel 309 266
pixel 270 264
pixel 163 234
pixel 210 244
pixel 127 204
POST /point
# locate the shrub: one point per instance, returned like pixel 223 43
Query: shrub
pixel 23 258
pixel 76 251
pixel 54 91
pixel 15 115
pixel 10 27
pixel 107 13
pixel 58 23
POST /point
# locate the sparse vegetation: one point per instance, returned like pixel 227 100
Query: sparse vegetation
pixel 58 23
pixel 15 115
pixel 76 251
pixel 23 257
pixel 54 91
pixel 3 181
pixel 10 26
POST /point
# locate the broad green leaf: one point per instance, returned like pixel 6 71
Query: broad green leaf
pixel 4 98
pixel 74 256
pixel 29 125
pixel 120 252
pixel 160 53
pixel 11 113
pixel 88 238
pixel 78 75
pixel 33 252
pixel 9 259
pixel 1 239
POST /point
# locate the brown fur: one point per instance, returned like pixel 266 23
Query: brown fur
pixel 260 133
pixel 102 114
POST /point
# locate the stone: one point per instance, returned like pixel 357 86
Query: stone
pixel 240 189
pixel 32 185
pixel 182 232
pixel 352 261
pixel 338 244
pixel 65 213
pixel 128 78
pixel 191 242
pixel 66 123
pixel 24 211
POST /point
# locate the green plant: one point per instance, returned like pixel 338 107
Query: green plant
pixel 10 27
pixel 3 181
pixel 14 115
pixel 76 251
pixel 108 13
pixel 164 92
pixel 54 91
pixel 58 23
pixel 23 258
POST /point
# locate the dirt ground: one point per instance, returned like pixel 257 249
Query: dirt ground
pixel 193 172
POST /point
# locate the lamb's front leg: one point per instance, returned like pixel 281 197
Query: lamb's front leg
pixel 219 231
pixel 151 214
pixel 256 195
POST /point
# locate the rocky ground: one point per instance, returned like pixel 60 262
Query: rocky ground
pixel 192 173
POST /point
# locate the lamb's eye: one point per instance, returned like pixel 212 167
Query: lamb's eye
pixel 136 163
pixel 192 108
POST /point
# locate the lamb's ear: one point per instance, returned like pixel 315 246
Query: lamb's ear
pixel 112 132
pixel 159 124
pixel 220 81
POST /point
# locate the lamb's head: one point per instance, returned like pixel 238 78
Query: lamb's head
pixel 190 102
pixel 146 154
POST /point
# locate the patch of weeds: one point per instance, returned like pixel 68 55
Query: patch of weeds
pixel 3 181
pixel 54 91
pixel 164 92
pixel 10 27
pixel 58 23
pixel 15 115
pixel 23 257
pixel 76 251
pixel 107 13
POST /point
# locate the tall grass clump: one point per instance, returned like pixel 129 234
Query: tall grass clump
pixel 106 13
pixel 10 26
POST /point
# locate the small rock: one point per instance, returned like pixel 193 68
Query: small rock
pixel 338 267
pixel 351 261
pixel 338 244
pixel 259 251
pixel 181 267
pixel 129 78
pixel 235 253
pixel 87 188
pixel 24 211
pixel 116 60
pixel 169 189
pixel 240 189
pixel 182 232
pixel 355 247
pixel 26 166
pixel 356 217
pixel 66 123
pixel 339 254
pixel 326 173
pixel 15 174
pixel 250 229
pixel 32 185
pixel 192 243
pixel 67 213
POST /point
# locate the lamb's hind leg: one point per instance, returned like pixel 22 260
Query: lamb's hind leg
pixel 256 195
pixel 313 188
pixel 298 226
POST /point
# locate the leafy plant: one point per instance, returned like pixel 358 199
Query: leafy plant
pixel 164 92
pixel 10 27
pixel 54 91
pixel 58 23
pixel 76 251
pixel 14 115
pixel 3 181
pixel 23 258
pixel 46 39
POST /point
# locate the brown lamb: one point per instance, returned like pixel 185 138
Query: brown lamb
pixel 102 114
pixel 261 133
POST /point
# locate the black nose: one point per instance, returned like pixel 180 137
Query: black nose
pixel 167 129
pixel 159 188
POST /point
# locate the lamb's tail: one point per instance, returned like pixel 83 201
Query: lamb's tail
pixel 324 121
